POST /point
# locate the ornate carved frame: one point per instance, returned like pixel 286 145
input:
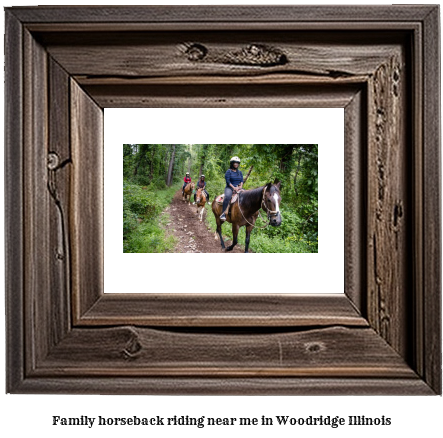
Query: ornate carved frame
pixel 65 64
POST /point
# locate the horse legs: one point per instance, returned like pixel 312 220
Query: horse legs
pixel 235 229
pixel 248 236
pixel 219 225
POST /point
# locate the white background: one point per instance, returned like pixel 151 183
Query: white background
pixel 166 273
pixel 30 415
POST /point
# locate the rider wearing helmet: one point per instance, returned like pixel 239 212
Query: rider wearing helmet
pixel 201 185
pixel 187 180
pixel 234 182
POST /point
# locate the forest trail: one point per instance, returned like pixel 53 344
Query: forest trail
pixel 193 236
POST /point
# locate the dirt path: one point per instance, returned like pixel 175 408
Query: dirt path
pixel 193 236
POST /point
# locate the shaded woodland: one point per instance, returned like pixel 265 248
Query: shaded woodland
pixel 153 170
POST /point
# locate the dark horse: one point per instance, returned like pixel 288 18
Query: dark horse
pixel 267 197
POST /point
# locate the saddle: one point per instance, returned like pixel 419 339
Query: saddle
pixel 219 198
pixel 204 194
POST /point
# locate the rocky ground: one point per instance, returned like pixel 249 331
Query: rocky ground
pixel 192 236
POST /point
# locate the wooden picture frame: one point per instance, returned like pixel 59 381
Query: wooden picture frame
pixel 65 64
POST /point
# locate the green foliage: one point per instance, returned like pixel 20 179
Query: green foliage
pixel 147 164
pixel 283 239
pixel 149 237
pixel 144 220
pixel 138 200
pixel 129 222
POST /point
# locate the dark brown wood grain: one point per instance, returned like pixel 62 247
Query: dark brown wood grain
pixel 226 96
pixel 430 319
pixel 241 310
pixel 64 65
pixel 166 54
pixel 388 203
pixel 86 206
pixel 222 14
pixel 355 185
pixel 129 351
pixel 14 239
pixel 167 385
pixel 38 305
pixel 59 167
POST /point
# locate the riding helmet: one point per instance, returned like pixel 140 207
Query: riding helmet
pixel 236 159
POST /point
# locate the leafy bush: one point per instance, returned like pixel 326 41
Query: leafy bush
pixel 143 221
pixel 139 200
pixel 129 221
pixel 149 237
pixel 286 238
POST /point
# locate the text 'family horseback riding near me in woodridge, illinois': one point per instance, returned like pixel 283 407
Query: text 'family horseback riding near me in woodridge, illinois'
pixel 212 198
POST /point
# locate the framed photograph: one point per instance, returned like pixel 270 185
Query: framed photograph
pixel 378 331
pixel 156 219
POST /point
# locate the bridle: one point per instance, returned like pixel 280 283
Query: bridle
pixel 269 212
pixel 202 194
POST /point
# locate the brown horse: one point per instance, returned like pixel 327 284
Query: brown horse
pixel 200 200
pixel 188 192
pixel 244 212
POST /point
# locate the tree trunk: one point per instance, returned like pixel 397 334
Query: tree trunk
pixel 171 166
pixel 296 174
pixel 204 148
pixel 247 175
pixel 286 159
pixel 166 165
pixel 137 164
pixel 189 149
pixel 151 170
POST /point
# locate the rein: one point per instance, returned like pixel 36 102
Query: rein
pixel 269 211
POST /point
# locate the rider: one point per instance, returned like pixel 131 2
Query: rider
pixel 201 185
pixel 187 180
pixel 234 182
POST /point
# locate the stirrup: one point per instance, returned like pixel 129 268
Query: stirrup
pixel 223 217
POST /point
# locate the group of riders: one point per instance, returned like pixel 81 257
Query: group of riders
pixel 234 183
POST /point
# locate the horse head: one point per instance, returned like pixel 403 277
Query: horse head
pixel 199 196
pixel 271 203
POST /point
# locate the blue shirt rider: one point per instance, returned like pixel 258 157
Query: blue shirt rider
pixel 234 182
